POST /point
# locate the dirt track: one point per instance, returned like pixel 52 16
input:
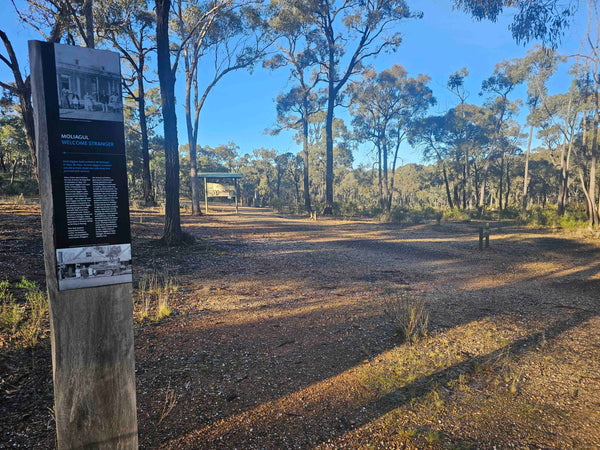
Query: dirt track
pixel 280 340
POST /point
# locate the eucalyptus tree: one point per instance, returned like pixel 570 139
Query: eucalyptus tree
pixel 510 148
pixel 56 20
pixel 540 63
pixel 544 21
pixel 349 33
pixel 126 25
pixel 53 19
pixel 172 232
pixel 342 153
pixel 506 77
pixel 456 85
pixel 297 48
pixel 13 145
pixel 384 105
pixel 433 135
pixel 560 117
pixel 20 88
pixel 227 36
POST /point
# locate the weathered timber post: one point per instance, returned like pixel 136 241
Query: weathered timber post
pixel 87 250
pixel 484 233
pixel 237 192
pixel 205 195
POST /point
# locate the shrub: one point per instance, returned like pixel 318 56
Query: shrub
pixel 405 215
pixel 456 214
pixel 549 217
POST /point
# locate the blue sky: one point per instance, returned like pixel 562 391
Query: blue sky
pixel 242 106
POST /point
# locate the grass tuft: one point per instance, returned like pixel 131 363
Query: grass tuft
pixel 153 294
pixel 23 321
pixel 407 314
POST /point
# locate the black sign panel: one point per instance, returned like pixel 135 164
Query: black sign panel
pixel 84 113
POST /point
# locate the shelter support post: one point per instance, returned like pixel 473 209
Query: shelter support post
pixel 206 195
pixel 237 211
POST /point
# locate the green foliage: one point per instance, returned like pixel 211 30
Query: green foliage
pixel 456 215
pixel 417 215
pixel 549 217
pixel 23 312
pixel 37 309
pixel 11 312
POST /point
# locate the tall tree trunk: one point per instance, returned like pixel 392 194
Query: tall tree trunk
pixel 482 182
pixel 14 171
pixel 562 186
pixel 172 230
pixel 386 188
pixel 380 176
pixel 88 14
pixel 594 151
pixel 190 82
pixel 526 176
pixel 329 146
pixel 469 187
pixel 450 204
pixel 305 169
pixel 501 182
pixel 147 191
pixel 507 195
pixel 394 161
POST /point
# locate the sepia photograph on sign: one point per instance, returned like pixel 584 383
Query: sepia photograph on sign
pixel 99 265
pixel 89 84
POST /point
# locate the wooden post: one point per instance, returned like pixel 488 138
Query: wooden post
pixel 237 211
pixel 91 328
pixel 480 238
pixel 487 235
pixel 205 195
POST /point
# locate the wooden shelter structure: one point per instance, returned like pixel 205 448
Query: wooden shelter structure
pixel 218 176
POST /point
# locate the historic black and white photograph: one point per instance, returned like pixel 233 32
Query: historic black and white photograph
pixel 89 84
pixel 100 265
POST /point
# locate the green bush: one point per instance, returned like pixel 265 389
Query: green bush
pixel 405 215
pixel 549 217
pixel 573 219
pixel 457 215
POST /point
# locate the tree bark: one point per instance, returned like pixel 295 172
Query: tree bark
pixel 329 145
pixel 88 13
pixel 386 188
pixel 147 191
pixel 594 151
pixel 305 169
pixel 172 233
pixel 501 182
pixel 526 176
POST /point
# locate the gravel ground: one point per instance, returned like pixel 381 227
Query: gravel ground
pixel 279 336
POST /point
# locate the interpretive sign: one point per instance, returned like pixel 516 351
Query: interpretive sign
pixel 86 140
pixel 220 190
pixel 78 116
